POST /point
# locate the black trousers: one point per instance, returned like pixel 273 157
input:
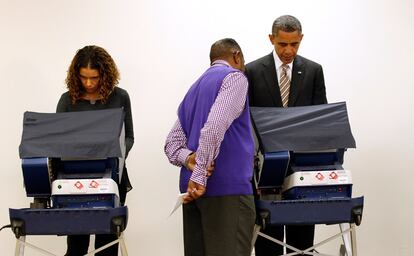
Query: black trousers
pixel 300 237
pixel 219 226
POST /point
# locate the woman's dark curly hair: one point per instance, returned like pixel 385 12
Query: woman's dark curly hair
pixel 93 57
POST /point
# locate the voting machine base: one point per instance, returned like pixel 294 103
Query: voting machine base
pixel 308 212
pixel 83 221
pixel 303 212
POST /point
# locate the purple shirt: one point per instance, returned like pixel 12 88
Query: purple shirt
pixel 229 104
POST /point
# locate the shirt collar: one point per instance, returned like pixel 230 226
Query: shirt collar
pixel 279 63
pixel 220 62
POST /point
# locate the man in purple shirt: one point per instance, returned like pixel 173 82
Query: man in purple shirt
pixel 212 143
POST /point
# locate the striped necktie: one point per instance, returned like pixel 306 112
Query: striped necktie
pixel 284 85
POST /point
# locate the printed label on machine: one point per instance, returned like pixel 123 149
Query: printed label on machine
pixel 84 186
pixel 318 178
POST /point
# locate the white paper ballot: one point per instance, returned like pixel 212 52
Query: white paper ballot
pixel 179 202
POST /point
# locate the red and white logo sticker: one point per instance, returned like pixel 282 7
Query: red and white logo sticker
pixel 333 176
pixel 94 184
pixel 319 176
pixel 78 185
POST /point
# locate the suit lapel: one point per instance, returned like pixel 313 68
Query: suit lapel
pixel 269 73
pixel 296 84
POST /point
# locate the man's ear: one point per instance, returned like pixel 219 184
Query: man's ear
pixel 272 38
pixel 237 57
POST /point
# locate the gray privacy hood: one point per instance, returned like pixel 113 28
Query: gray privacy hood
pixel 310 128
pixel 84 134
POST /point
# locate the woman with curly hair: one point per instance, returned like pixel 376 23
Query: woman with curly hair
pixel 92 85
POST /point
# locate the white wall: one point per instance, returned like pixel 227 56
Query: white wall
pixel 161 47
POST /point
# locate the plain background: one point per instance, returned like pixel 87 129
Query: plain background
pixel 160 46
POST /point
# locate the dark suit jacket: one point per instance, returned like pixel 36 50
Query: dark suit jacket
pixel 307 86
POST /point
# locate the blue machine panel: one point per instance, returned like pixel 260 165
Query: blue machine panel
pixel 274 169
pixel 318 192
pixel 85 201
pixel 305 212
pixel 318 158
pixel 68 221
pixel 36 177
pixel 95 168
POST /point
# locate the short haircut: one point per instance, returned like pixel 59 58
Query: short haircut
pixel 223 49
pixel 286 23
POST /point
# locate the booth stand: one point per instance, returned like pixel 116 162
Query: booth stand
pixel 72 166
pixel 299 178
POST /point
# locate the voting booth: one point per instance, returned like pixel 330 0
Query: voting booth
pixel 72 166
pixel 299 177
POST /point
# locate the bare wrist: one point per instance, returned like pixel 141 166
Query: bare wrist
pixel 187 159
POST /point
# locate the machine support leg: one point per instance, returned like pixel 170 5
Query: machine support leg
pixel 120 240
pixel 102 248
pixel 20 246
pixel 256 230
pixel 309 251
pixel 122 244
pixel 328 239
pixel 22 242
pixel 297 251
pixel 353 240
pixel 346 238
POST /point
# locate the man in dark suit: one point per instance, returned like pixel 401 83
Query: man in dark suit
pixel 285 79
